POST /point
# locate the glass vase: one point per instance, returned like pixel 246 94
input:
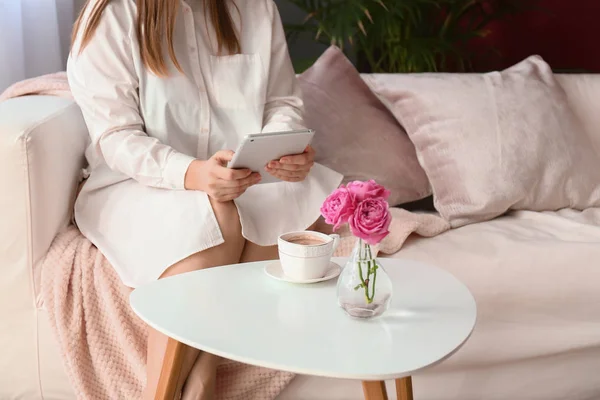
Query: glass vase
pixel 364 289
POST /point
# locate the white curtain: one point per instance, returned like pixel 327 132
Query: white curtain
pixel 34 38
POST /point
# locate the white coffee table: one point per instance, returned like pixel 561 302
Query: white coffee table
pixel 240 313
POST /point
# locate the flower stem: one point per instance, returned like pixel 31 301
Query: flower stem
pixel 374 281
pixel 366 257
pixel 371 271
pixel 364 283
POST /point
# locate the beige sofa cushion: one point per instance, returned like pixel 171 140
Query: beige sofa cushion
pixel 355 133
pixel 498 141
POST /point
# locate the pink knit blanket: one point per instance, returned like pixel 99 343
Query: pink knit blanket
pixel 103 342
pixel 404 223
pixel 47 85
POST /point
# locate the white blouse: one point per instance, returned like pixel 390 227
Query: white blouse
pixel 146 130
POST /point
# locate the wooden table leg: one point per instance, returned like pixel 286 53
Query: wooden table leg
pixel 171 369
pixel 374 390
pixel 404 389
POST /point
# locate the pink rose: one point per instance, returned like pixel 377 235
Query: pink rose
pixel 371 220
pixel 367 190
pixel 338 207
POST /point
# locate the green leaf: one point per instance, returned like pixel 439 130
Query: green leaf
pixel 405 35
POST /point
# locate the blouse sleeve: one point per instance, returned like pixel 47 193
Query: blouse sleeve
pixel 284 107
pixel 104 84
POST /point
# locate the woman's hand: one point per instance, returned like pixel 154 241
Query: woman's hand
pixel 293 168
pixel 219 182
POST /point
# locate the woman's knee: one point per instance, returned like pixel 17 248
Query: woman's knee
pixel 226 253
pixel 195 262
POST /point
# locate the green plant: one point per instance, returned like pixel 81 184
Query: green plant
pixel 404 35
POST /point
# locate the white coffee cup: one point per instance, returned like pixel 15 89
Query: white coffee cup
pixel 306 255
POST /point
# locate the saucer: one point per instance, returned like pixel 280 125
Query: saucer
pixel 274 270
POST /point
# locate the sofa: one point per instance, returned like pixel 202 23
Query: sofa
pixel 535 276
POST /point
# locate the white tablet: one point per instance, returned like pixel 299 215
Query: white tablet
pixel 257 150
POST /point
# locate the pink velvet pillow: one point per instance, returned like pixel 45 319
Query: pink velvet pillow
pixel 498 141
pixel 356 135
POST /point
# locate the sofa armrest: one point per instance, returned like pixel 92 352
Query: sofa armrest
pixel 42 146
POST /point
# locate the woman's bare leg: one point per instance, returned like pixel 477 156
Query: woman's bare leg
pixel 226 253
pixel 253 252
pixel 201 383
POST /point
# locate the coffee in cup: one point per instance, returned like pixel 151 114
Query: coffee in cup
pixel 306 240
pixel 306 255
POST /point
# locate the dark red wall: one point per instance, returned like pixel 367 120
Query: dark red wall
pixel 566 33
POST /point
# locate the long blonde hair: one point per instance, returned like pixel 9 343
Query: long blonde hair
pixel 157 18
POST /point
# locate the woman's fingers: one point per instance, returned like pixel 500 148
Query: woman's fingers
pixel 228 174
pixel 300 159
pixel 224 196
pixel 288 176
pixel 298 162
pixel 290 167
pixel 243 179
pixel 301 162
pixel 222 157
pixel 224 190
pixel 227 191
pixel 233 190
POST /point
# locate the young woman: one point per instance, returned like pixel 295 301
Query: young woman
pixel 167 89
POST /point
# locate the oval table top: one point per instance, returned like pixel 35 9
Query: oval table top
pixel 240 313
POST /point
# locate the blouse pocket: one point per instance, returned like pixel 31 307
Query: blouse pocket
pixel 238 81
